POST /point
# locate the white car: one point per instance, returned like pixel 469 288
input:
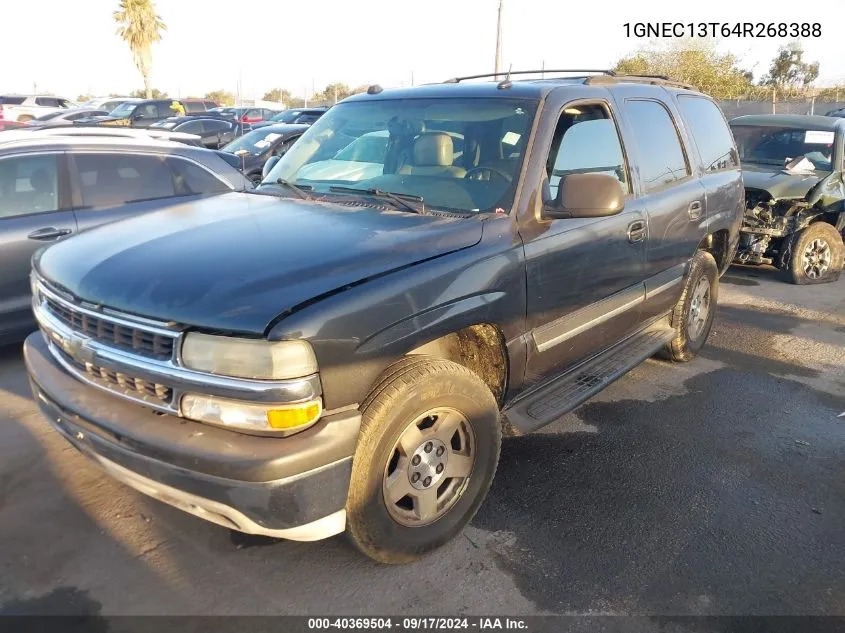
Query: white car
pixel 28 107
pixel 108 103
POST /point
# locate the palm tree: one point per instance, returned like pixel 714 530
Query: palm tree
pixel 140 27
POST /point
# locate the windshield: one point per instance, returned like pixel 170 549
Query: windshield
pixel 769 145
pixel 254 142
pixel 457 154
pixel 123 110
pixel 286 116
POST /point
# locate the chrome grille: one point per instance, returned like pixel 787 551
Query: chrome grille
pixel 135 388
pixel 102 329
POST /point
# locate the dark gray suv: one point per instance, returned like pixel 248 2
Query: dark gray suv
pixel 53 187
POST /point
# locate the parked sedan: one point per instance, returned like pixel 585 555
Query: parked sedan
pixel 65 117
pixel 295 115
pixel 246 114
pixel 255 148
pixel 214 132
pixel 54 186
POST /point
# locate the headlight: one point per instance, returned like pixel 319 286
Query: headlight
pixel 278 419
pixel 248 358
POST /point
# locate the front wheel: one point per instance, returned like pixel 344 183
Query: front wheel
pixel 693 315
pixel 814 255
pixel 428 451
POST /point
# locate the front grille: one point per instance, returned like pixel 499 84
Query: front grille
pixel 131 386
pixel 136 339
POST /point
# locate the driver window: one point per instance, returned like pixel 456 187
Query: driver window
pixel 586 141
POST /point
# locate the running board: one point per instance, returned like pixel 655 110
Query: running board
pixel 551 400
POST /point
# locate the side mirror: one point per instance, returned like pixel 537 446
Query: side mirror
pixel 588 195
pixel 268 166
pixel 137 116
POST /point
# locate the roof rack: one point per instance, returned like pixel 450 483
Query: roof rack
pixel 455 80
pixel 656 80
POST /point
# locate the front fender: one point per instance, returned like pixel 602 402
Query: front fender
pixel 357 333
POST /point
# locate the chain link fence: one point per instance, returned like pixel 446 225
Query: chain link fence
pixel 738 107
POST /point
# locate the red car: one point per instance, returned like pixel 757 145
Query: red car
pixel 248 114
pixel 10 125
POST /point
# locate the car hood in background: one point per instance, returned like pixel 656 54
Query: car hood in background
pixel 237 261
pixel 778 183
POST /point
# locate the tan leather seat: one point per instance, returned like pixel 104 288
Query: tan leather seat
pixel 433 156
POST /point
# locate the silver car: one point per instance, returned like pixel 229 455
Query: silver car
pixel 52 187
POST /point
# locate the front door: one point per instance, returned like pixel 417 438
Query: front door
pixel 34 211
pixel 584 275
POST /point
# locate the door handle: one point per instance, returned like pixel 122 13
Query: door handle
pixel 636 231
pixel 48 233
pixel 694 210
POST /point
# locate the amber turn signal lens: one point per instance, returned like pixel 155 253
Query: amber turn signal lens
pixel 296 415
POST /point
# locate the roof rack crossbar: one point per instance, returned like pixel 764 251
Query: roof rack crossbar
pixel 506 73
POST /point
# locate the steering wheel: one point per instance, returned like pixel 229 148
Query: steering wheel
pixel 488 170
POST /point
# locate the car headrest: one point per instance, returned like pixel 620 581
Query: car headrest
pixel 433 149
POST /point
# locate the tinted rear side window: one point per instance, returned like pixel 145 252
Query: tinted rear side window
pixel 112 179
pixel 194 106
pixel 711 133
pixel 12 100
pixel 193 179
pixel 662 159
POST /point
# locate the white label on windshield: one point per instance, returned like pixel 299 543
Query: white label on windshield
pixel 273 136
pixel 262 144
pixel 818 136
pixel 511 138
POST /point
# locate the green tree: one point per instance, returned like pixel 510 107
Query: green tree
pixel 140 26
pixel 694 62
pixel 221 97
pixel 788 70
pixel 148 93
pixel 279 95
pixel 84 98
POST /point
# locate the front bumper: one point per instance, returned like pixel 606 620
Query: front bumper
pixel 293 487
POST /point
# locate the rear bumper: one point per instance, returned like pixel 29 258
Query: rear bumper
pixel 292 487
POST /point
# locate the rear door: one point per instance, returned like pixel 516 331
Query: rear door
pixel 670 189
pixel 34 211
pixel 111 186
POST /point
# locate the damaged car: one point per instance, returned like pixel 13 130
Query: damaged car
pixel 792 168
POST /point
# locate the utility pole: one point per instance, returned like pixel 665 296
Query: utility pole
pixel 499 39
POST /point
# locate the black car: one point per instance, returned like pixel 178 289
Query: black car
pixel 345 348
pixel 214 132
pixel 306 116
pixel 255 148
pixel 139 113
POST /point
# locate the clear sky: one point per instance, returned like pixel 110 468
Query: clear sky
pixel 71 47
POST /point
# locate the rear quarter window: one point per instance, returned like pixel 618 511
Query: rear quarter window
pixel 710 132
pixel 12 100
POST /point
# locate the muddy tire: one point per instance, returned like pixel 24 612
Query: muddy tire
pixel 692 317
pixel 427 454
pixel 814 255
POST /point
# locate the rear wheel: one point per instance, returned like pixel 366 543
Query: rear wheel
pixel 25 117
pixel 814 255
pixel 428 450
pixel 692 317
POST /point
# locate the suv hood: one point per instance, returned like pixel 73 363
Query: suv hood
pixel 778 183
pixel 235 262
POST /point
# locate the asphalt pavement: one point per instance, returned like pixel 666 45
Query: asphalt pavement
pixel 712 487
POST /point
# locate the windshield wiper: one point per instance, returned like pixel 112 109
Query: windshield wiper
pixel 409 202
pixel 300 191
